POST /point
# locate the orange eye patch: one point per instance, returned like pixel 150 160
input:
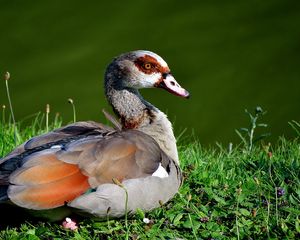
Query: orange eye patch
pixel 148 65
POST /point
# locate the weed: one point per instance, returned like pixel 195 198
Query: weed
pixel 247 135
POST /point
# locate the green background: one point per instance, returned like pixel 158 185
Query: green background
pixel 230 55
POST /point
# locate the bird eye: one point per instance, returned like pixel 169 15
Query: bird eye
pixel 147 66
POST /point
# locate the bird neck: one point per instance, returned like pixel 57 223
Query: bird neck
pixel 136 113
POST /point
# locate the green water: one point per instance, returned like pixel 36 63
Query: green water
pixel 230 55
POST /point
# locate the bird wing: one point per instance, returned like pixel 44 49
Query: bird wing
pixel 55 176
pixel 66 132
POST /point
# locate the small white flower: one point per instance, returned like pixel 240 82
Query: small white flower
pixel 146 220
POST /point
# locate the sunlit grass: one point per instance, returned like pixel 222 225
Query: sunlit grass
pixel 38 126
pixel 226 194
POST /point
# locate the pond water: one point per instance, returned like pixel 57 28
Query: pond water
pixel 230 56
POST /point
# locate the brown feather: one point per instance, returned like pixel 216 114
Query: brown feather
pixel 122 155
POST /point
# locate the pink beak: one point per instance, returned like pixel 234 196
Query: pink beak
pixel 169 83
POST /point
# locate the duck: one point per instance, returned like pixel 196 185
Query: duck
pixel 98 170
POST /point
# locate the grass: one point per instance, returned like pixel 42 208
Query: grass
pixel 227 194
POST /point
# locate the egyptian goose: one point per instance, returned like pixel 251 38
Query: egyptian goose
pixel 76 167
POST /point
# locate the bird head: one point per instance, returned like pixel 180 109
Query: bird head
pixel 144 69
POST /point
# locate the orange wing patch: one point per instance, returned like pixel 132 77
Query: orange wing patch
pixel 43 174
pixel 47 185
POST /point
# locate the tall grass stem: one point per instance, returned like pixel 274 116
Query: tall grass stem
pixel 70 100
pixel 47 117
pixel 7 77
pixel 276 207
pixel 117 182
pixel 3 114
pixel 239 191
pixel 268 216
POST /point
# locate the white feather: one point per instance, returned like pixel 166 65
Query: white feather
pixel 160 172
pixel 56 147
